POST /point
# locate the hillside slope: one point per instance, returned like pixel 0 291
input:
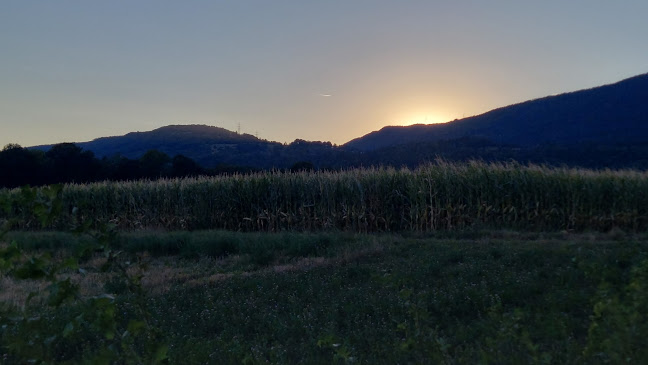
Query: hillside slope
pixel 194 140
pixel 205 144
pixel 610 114
pixel 212 146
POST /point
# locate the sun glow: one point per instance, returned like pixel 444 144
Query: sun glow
pixel 422 118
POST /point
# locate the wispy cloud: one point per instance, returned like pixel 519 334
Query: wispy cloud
pixel 325 95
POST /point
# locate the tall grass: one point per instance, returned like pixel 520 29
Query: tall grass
pixel 438 196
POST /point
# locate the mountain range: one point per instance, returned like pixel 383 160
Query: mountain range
pixel 606 126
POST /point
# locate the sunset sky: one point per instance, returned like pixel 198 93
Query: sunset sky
pixel 317 70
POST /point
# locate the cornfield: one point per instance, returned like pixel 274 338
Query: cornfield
pixel 440 196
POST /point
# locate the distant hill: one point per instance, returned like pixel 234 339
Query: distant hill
pixel 199 142
pixel 610 114
pixel 213 146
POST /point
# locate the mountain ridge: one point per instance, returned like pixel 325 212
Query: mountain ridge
pixel 586 115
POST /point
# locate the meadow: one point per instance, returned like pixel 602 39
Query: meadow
pixel 454 264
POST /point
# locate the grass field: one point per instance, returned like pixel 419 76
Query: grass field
pixel 465 297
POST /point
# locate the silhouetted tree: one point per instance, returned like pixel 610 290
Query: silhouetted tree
pixel 184 166
pixel 70 163
pixel 20 166
pixel 155 164
pixel 120 168
pixel 11 146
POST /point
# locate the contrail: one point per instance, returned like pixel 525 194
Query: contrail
pixel 325 95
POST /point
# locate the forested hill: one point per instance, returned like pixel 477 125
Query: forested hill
pixel 212 147
pixel 172 139
pixel 199 142
pixel 609 115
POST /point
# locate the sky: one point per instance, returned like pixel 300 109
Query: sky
pixel 334 70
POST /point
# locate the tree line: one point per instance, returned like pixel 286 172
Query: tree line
pixel 69 163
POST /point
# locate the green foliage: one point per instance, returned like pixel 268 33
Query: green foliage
pixel 620 321
pixel 63 326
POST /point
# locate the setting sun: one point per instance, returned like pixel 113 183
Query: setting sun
pixel 422 118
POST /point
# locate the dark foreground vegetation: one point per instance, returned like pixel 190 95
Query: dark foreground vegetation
pixel 472 297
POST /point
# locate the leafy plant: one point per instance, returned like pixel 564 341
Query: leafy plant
pixel 63 325
pixel 620 321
